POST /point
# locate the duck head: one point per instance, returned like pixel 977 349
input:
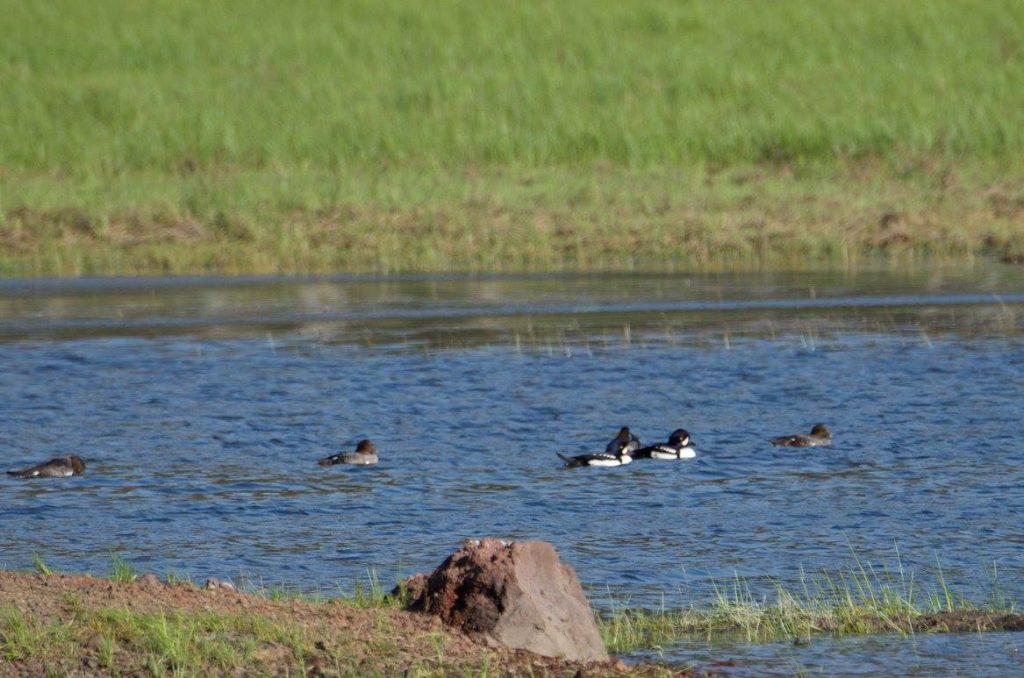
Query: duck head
pixel 821 431
pixel 680 437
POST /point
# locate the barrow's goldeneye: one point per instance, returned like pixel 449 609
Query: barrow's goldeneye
pixel 679 446
pixel 620 457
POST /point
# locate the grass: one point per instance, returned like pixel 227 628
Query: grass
pixel 181 88
pixel 22 637
pixel 393 136
pixel 859 600
pixel 182 643
pixel 80 625
pixel 40 565
pixel 549 219
pixel 373 595
pixel 120 569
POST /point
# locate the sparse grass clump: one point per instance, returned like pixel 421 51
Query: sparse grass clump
pixel 371 594
pixel 188 643
pixel 40 565
pixel 120 569
pixel 23 636
pixel 192 642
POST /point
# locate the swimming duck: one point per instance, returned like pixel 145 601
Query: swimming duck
pixel 624 437
pixel 820 435
pixel 364 455
pixel 620 457
pixel 60 467
pixel 679 446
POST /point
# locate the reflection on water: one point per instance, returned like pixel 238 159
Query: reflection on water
pixel 415 312
pixel 201 409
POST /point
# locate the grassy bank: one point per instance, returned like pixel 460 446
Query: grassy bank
pixel 859 600
pixel 531 220
pixel 54 624
pixel 389 136
pixel 125 623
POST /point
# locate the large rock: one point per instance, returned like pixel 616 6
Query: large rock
pixel 517 594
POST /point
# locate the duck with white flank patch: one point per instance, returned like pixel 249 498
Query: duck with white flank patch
pixel 61 467
pixel 679 446
pixel 620 457
pixel 820 435
pixel 364 455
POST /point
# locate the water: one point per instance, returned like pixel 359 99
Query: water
pixel 201 407
pixel 946 654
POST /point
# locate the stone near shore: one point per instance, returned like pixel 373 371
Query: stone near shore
pixel 517 594
pixel 214 584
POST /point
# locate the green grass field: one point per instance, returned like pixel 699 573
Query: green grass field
pixel 173 137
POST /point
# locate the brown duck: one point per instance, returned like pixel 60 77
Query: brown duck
pixel 819 435
pixel 364 455
pixel 61 467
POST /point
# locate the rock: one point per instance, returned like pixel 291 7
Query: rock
pixel 518 594
pixel 412 588
pixel 150 579
pixel 620 665
pixel 213 584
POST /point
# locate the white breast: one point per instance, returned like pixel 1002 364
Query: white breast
pixel 611 461
pixel 662 452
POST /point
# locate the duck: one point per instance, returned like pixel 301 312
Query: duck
pixel 364 455
pixel 621 456
pixel 679 446
pixel 624 437
pixel 59 467
pixel 819 435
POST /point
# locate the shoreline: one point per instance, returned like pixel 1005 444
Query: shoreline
pixel 127 623
pixel 68 624
pixel 588 219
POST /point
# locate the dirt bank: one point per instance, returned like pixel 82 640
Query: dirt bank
pixel 79 625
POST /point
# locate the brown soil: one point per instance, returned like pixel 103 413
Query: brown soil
pixel 339 639
pixel 967 621
pixel 957 621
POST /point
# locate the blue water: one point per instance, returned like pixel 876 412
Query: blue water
pixel 201 408
pixel 946 654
